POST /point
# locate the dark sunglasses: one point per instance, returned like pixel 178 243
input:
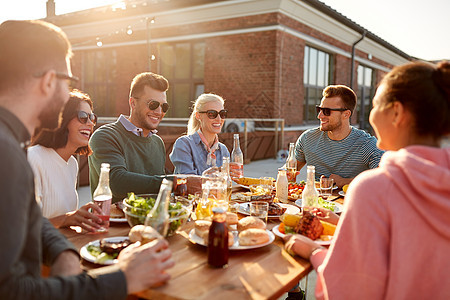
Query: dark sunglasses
pixel 153 104
pixel 212 114
pixel 327 111
pixel 84 116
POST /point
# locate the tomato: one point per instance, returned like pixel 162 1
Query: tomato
pixel 281 228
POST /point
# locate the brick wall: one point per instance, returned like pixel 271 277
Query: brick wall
pixel 241 68
pixel 259 74
pixel 289 83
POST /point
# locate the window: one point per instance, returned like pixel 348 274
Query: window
pixel 365 95
pixel 183 65
pixel 316 76
pixel 99 70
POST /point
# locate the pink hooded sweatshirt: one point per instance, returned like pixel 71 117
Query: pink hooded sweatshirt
pixel 393 238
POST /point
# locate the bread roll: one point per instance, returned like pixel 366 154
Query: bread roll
pixel 232 218
pixel 230 238
pixel 253 236
pixel 250 222
pixel 202 228
pixel 143 234
pixel 116 212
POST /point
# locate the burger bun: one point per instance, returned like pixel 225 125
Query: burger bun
pixel 143 234
pixel 202 228
pixel 250 222
pixel 232 218
pixel 116 212
pixel 253 236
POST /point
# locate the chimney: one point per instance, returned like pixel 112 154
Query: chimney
pixel 50 8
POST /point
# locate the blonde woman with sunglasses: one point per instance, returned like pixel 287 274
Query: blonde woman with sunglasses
pixel 55 168
pixel 200 148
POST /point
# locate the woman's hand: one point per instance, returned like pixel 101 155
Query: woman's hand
pixel 234 174
pixel 325 215
pixel 340 181
pixel 83 218
pixel 300 245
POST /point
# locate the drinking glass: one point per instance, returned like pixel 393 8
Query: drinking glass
pixel 259 209
pixel 326 187
pixel 233 206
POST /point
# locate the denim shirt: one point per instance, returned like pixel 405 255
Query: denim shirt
pixel 189 155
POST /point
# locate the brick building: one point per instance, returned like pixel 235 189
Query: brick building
pixel 267 58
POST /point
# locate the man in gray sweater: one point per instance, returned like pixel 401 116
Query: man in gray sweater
pixel 34 85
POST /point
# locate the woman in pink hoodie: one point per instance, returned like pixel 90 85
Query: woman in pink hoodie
pixel 393 239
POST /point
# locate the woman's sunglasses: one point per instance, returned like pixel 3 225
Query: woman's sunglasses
pixel 327 111
pixel 212 114
pixel 84 116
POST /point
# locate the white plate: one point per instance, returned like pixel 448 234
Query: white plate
pixel 89 257
pixel 338 208
pixel 118 220
pixel 341 193
pixel 282 235
pixel 290 209
pixel 195 239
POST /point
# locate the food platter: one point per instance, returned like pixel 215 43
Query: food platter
pixel 85 254
pixel 195 239
pixel 244 208
pixel 282 235
pixel 247 197
pixel 338 208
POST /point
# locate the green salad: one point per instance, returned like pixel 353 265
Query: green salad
pixel 100 256
pixel 325 204
pixel 141 206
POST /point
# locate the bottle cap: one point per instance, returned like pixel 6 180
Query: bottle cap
pixel 218 210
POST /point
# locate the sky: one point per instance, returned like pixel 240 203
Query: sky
pixel 419 28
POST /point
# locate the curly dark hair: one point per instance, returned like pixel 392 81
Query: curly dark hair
pixel 57 138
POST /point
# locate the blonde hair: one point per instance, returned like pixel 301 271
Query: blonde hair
pixel 199 104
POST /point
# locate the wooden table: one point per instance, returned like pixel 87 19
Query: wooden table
pixel 262 273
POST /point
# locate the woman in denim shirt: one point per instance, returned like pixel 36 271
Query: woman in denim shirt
pixel 200 149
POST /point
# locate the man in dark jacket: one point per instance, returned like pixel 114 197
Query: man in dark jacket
pixel 34 85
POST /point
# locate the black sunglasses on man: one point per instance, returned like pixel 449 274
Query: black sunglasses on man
pixel 327 111
pixel 153 104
